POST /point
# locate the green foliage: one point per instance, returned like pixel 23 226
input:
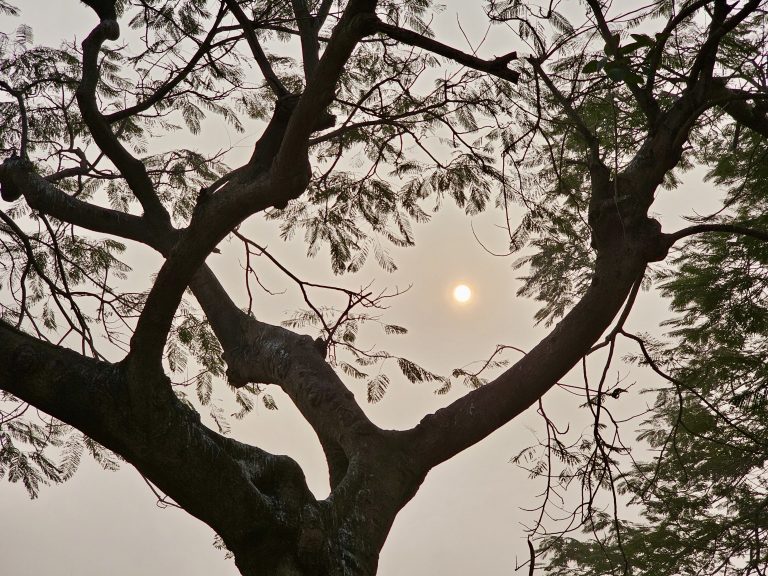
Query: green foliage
pixel 35 454
pixel 559 269
pixel 689 498
pixel 377 387
pixel 703 499
pixel 355 362
pixel 617 64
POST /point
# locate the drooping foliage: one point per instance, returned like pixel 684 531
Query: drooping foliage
pixel 688 495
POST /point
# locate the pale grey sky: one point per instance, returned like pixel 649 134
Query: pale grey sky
pixel 466 517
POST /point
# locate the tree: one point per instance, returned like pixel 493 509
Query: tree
pixel 595 118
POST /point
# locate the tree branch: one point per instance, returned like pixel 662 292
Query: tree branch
pixel 643 96
pixel 321 87
pixel 170 84
pixel 670 239
pixel 588 136
pixel 278 88
pixel 225 317
pixel 628 306
pixel 132 169
pixel 17 175
pixel 310 46
pixel 259 352
pixel 498 67
pixel 471 418
pixel 322 13
pixel 246 191
pixel 383 121
pixel 703 64
pixel 216 479
pixel 24 130
pixel 656 53
pixel 753 117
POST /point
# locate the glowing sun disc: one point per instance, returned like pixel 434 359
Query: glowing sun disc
pixel 462 293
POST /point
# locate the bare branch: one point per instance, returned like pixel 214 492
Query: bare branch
pixel 716 228
pixel 619 326
pixel 498 67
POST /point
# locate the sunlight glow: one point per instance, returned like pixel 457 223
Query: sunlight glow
pixel 462 293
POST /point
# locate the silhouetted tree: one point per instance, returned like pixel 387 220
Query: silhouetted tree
pixel 595 118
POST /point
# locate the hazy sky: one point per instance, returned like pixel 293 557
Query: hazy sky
pixel 466 517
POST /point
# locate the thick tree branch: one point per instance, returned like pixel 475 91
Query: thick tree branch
pixel 310 45
pixel 619 326
pixel 703 64
pixel 214 478
pixel 498 67
pixel 63 383
pixel 753 117
pixel 258 352
pixel 663 147
pixel 473 417
pixel 322 13
pixel 105 9
pixel 737 229
pixel 250 191
pixel 226 319
pixel 132 169
pixel 657 52
pixel 321 87
pixel 369 469
pixel 18 176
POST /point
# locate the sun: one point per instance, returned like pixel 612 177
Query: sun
pixel 462 293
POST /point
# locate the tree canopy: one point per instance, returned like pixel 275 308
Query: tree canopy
pixel 367 121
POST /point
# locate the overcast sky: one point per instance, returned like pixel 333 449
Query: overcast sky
pixel 466 517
